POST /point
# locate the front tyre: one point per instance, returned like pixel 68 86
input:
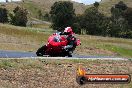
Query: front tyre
pixel 41 51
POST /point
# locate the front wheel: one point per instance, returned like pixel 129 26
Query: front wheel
pixel 41 51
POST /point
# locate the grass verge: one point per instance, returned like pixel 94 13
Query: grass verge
pixel 30 39
pixel 33 73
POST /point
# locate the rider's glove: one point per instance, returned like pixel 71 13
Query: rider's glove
pixel 67 47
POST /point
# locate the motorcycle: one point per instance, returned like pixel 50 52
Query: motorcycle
pixel 55 46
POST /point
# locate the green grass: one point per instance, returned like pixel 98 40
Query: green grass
pixel 21 38
pixel 119 50
pixel 7 64
pixel 30 39
pixel 23 64
pixel 121 47
pixel 41 26
pixel 45 5
pixel 32 8
pixel 39 35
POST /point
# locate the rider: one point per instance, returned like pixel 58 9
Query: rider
pixel 71 40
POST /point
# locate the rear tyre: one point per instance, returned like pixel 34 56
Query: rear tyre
pixel 41 51
pixel 70 54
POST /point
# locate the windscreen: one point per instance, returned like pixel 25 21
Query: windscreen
pixel 57 38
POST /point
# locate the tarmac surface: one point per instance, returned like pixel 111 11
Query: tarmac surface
pixel 19 54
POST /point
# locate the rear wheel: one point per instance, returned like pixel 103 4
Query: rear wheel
pixel 70 53
pixel 41 51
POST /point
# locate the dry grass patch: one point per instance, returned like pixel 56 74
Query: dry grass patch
pixel 106 5
pixel 38 73
pixel 20 38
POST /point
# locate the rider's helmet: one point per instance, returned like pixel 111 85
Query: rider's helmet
pixel 68 31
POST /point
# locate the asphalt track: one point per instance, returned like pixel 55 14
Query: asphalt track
pixel 18 54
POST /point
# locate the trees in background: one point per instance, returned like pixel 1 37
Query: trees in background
pixel 128 16
pixel 3 15
pixel 119 24
pixel 96 4
pixel 94 22
pixel 62 15
pixel 47 17
pixel 121 6
pixel 40 15
pixel 43 16
pixel 19 17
